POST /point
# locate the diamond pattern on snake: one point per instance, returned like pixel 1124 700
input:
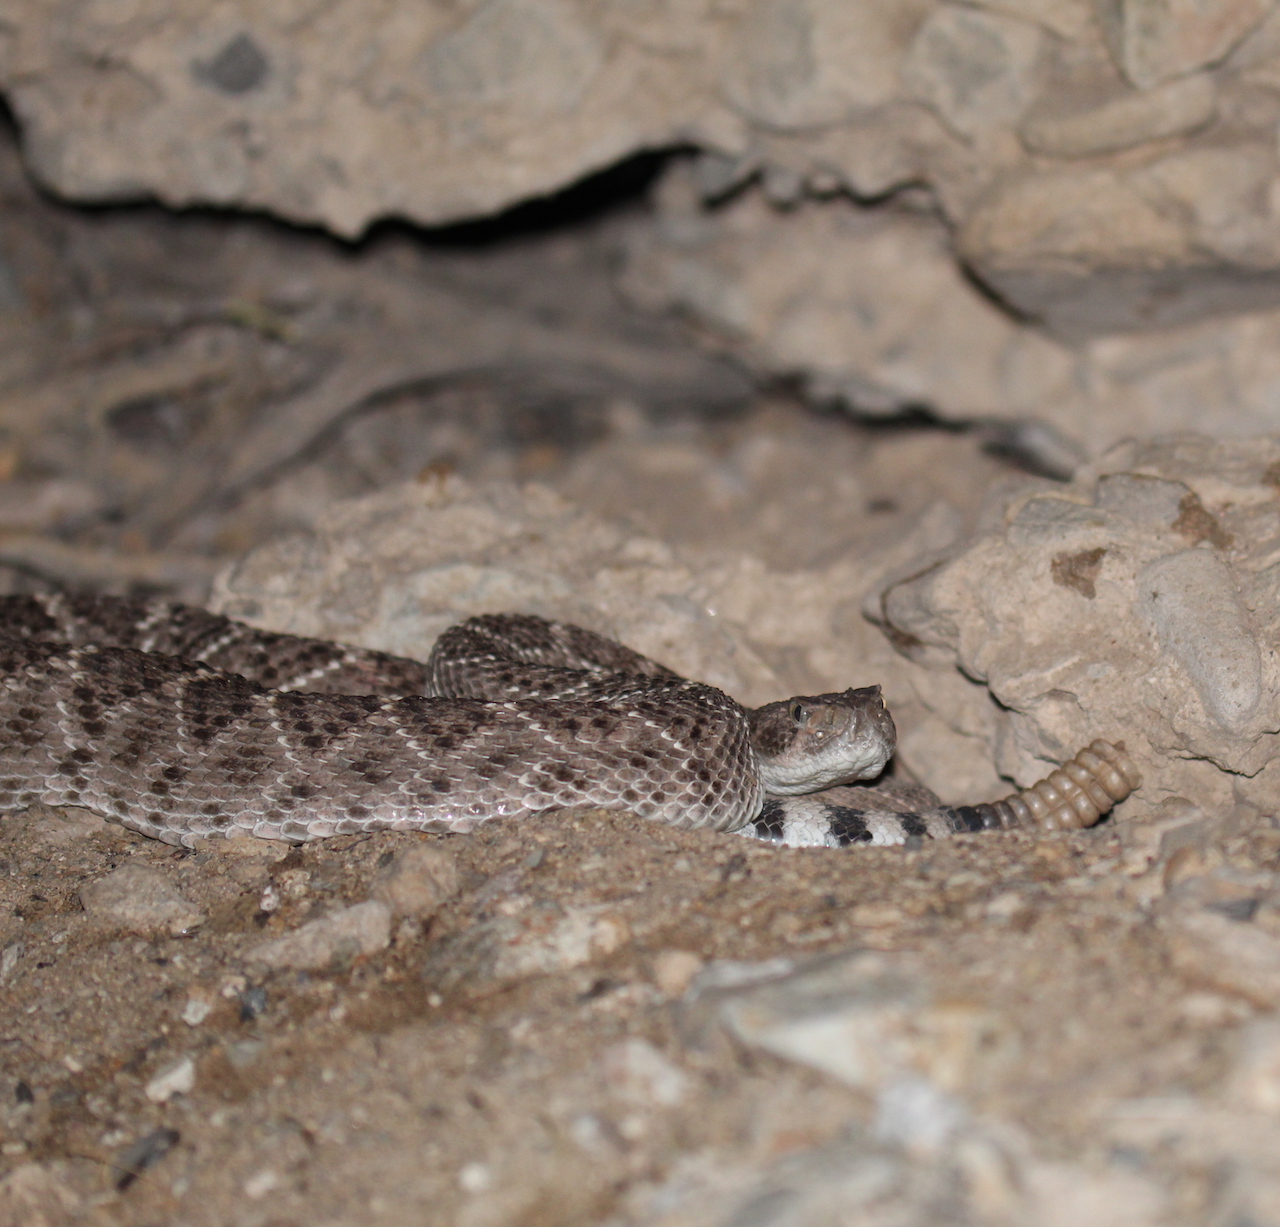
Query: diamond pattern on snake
pixel 182 724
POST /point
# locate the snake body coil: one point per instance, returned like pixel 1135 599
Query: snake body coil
pixel 182 724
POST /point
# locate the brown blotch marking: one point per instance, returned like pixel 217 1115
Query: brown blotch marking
pixel 1078 572
pixel 1197 523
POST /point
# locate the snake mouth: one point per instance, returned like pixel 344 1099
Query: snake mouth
pixel 811 742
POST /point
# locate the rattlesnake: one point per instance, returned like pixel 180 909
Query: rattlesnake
pixel 182 724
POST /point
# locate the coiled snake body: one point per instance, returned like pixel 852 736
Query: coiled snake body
pixel 182 724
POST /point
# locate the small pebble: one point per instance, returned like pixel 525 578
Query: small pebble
pixel 146 1152
pixel 417 881
pixel 196 1010
pixel 344 934
pixel 475 1178
pixel 636 1072
pixel 261 1183
pixel 176 1078
pixel 673 971
pixel 139 899
pixel 253 1003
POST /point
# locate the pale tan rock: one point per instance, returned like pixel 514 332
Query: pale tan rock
pixel 1254 1080
pixel 1066 1194
pixel 38 1195
pixel 239 105
pixel 637 1073
pixel 139 899
pixel 343 935
pixel 797 64
pixel 1155 40
pixel 1174 109
pixel 538 945
pixel 673 971
pixel 1230 955
pixel 417 881
pixel 977 69
pixel 867 1020
pixel 176 1078
pixel 1136 607
pixel 868 303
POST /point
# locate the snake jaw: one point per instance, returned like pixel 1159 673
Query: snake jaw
pixel 811 742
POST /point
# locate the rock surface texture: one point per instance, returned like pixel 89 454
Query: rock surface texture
pixel 1141 600
pixel 1102 168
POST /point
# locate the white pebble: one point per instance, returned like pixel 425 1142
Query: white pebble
pixel 475 1178
pixel 176 1078
pixel 196 1010
pixel 673 971
pixel 261 1183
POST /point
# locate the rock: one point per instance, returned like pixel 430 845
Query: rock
pixel 976 67
pixel 1066 1194
pixel 417 881
pixel 914 1113
pixel 526 940
pixel 343 935
pixel 1174 109
pixel 541 944
pixel 868 303
pixel 986 1176
pixel 674 970
pixel 1006 115
pixel 393 570
pixel 238 109
pixel 139 899
pixel 638 1074
pixel 866 1019
pixel 38 1195
pixel 1254 1080
pixel 1132 605
pixel 1155 40
pixel 176 1078
pixel 1200 620
pixel 1225 953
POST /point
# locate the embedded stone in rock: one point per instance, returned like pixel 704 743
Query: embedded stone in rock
pixel 139 899
pixel 976 67
pixel 1225 952
pixel 1254 1080
pixel 866 1019
pixel 1052 609
pixel 417 880
pixel 176 1078
pixel 239 67
pixel 580 936
pixel 637 1073
pixel 1154 40
pixel 1192 601
pixel 1175 109
pixel 346 934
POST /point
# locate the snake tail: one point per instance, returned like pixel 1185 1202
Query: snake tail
pixel 1075 795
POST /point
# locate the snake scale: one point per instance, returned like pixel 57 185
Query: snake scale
pixel 182 724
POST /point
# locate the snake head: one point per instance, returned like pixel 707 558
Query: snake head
pixel 811 742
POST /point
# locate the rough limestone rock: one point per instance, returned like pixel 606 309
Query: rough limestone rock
pixel 867 306
pixel 1011 111
pixel 1103 168
pixel 1138 604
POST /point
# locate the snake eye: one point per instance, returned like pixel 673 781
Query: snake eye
pixel 798 713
